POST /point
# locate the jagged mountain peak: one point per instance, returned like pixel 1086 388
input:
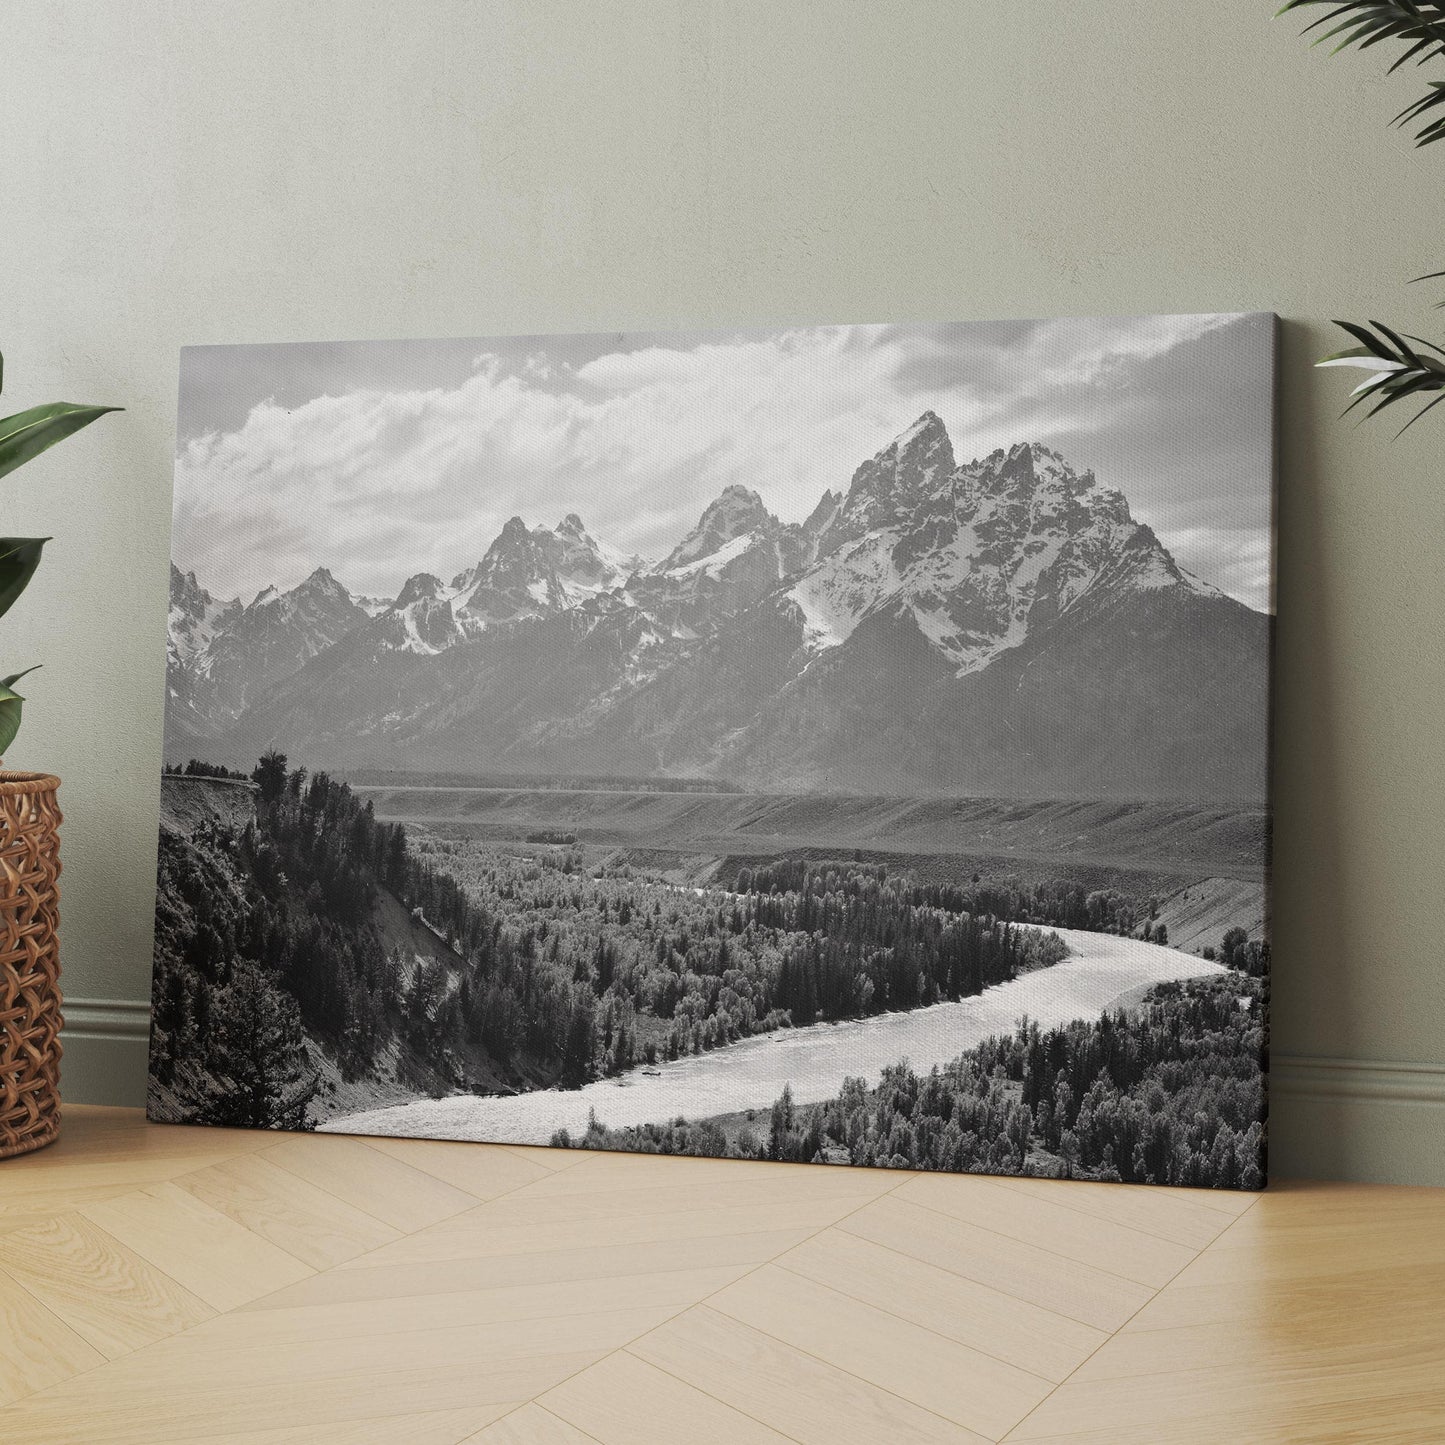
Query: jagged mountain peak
pixel 514 551
pixel 422 618
pixel 925 433
pixel 1022 462
pixel 530 572
pixel 322 582
pixel 1044 484
pixel 981 557
pixel 736 492
pixel 320 589
pixel 425 586
pixel 186 591
pixel 889 489
pixel 615 564
pixel 193 617
pixel 823 514
pixel 737 512
pixel 737 509
pixel 515 531
pixel 1151 564
pixel 910 467
pixel 922 439
pixel 224 654
pixel 1018 464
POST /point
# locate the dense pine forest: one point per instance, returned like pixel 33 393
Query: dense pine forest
pixel 1059 903
pixel 1172 1095
pixel 283 954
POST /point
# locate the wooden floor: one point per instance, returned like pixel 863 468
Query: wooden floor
pixel 163 1284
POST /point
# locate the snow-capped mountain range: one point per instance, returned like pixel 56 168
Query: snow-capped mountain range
pixel 1003 625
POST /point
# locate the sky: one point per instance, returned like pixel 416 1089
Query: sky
pixel 382 459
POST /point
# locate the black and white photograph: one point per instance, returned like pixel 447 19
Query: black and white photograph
pixel 836 744
pixel 722 723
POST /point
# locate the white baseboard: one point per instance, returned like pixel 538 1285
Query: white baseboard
pixel 1355 1119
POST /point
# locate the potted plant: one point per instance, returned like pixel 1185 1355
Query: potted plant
pixel 1403 367
pixel 29 844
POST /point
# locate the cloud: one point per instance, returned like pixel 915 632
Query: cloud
pixel 336 461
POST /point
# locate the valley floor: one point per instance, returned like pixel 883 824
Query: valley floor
pixel 164 1284
pixel 1158 846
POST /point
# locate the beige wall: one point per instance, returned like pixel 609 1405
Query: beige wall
pixel 206 172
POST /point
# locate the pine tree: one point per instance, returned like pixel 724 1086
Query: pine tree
pixel 781 1127
pixel 270 775
pixel 256 1051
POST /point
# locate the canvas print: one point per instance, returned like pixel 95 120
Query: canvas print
pixel 834 744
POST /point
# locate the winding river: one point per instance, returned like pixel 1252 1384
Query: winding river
pixel 1099 972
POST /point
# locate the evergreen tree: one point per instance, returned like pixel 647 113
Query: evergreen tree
pixel 270 775
pixel 256 1051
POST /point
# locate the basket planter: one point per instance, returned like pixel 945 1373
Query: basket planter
pixel 29 962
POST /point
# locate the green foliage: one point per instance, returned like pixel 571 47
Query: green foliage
pixel 10 705
pixel 19 557
pixel 1398 370
pixel 1417 24
pixel 22 438
pixel 28 433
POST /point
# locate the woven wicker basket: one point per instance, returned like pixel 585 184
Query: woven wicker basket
pixel 29 962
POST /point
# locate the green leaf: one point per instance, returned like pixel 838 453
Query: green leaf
pixel 1405 353
pixel 10 704
pixel 1418 24
pixel 1418 415
pixel 1356 356
pixel 1428 360
pixel 28 433
pixel 19 557
pixel 24 672
pixel 1403 372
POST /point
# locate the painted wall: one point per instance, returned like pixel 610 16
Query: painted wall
pixel 255 170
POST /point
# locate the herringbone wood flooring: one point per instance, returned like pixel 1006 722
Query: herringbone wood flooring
pixel 167 1284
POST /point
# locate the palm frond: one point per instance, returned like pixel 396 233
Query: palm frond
pixel 1418 24
pixel 1397 370
pixel 1438 305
